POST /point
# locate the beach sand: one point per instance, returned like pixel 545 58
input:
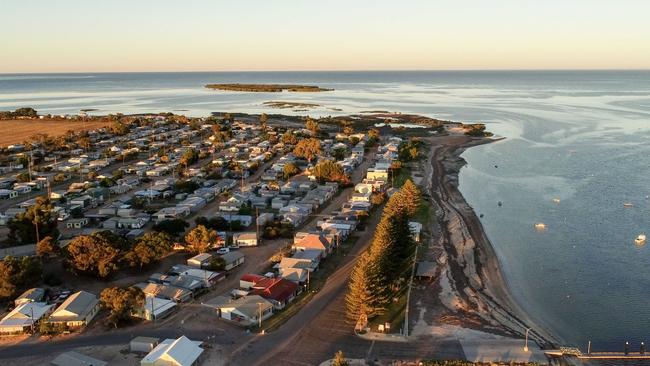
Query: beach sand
pixel 472 291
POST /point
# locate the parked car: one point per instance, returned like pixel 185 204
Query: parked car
pixel 223 250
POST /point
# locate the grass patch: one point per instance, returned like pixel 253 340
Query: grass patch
pixel 403 174
pixel 394 315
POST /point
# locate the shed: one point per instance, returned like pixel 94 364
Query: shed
pixel 72 358
pixel 143 344
pixel 233 259
pixel 426 270
pixel 200 260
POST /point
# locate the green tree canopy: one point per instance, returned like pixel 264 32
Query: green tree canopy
pixel 121 303
pixel 289 138
pixel 330 171
pixel 149 248
pixel 308 148
pixel 289 170
pixel 47 247
pixel 173 227
pixel 34 224
pixel 17 274
pixel 93 254
pixel 201 239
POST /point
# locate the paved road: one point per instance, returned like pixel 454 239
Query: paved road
pixel 320 329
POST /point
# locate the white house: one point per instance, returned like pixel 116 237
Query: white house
pixel 21 319
pixel 174 352
pixel 245 239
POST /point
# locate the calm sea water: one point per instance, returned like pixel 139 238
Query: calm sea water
pixel 581 137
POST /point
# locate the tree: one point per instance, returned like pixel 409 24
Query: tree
pixel 347 130
pixel 93 254
pixel 330 171
pixel 46 247
pixel 411 197
pixel 373 134
pixel 288 138
pixel 263 119
pixel 121 302
pixel 201 239
pixel 312 126
pixel 189 157
pixel 16 274
pixel 339 359
pixel 37 222
pixel 289 170
pixel 307 148
pixel 26 112
pixel 339 153
pixel 365 295
pixel 149 248
pixel 119 128
pixel 186 186
pixel 217 264
pixel 173 227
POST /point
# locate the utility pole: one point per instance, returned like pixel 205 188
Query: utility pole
pixel 31 308
pixel 259 305
pixel 257 225
pixel 153 312
pixel 38 236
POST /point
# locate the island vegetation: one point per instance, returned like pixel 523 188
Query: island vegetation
pixel 267 88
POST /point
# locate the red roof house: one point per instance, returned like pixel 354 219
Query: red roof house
pixel 278 291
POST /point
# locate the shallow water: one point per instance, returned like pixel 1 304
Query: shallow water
pixel 581 137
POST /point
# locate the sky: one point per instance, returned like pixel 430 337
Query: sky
pixel 287 35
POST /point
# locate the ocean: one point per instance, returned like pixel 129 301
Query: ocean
pixel 576 149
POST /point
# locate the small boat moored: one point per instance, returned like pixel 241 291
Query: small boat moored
pixel 540 226
pixel 640 240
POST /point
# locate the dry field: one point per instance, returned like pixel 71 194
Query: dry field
pixel 19 130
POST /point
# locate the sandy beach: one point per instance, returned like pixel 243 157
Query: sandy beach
pixel 471 285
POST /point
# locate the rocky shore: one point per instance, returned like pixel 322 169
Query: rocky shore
pixel 471 285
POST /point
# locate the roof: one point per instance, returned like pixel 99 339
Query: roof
pixel 314 241
pixel 277 289
pixel 201 257
pixel 73 358
pixel 245 236
pixel 158 305
pixel 310 254
pixel 294 274
pixel 148 340
pixel 22 314
pixel 181 351
pixel 426 269
pixel 75 307
pixel 247 305
pixel 251 277
pixel 167 291
pixel 33 294
pixel 232 256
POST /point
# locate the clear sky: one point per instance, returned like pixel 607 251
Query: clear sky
pixel 232 35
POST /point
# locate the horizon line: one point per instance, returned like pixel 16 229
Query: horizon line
pixel 320 71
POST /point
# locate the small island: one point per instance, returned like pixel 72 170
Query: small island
pixel 268 88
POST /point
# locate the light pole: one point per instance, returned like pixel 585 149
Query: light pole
pixel 259 304
pixel 526 344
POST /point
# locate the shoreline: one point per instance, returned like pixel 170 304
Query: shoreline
pixel 471 264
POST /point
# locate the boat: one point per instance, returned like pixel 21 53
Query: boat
pixel 556 200
pixel 628 204
pixel 640 240
pixel 540 226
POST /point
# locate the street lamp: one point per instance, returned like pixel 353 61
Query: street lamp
pixel 526 344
